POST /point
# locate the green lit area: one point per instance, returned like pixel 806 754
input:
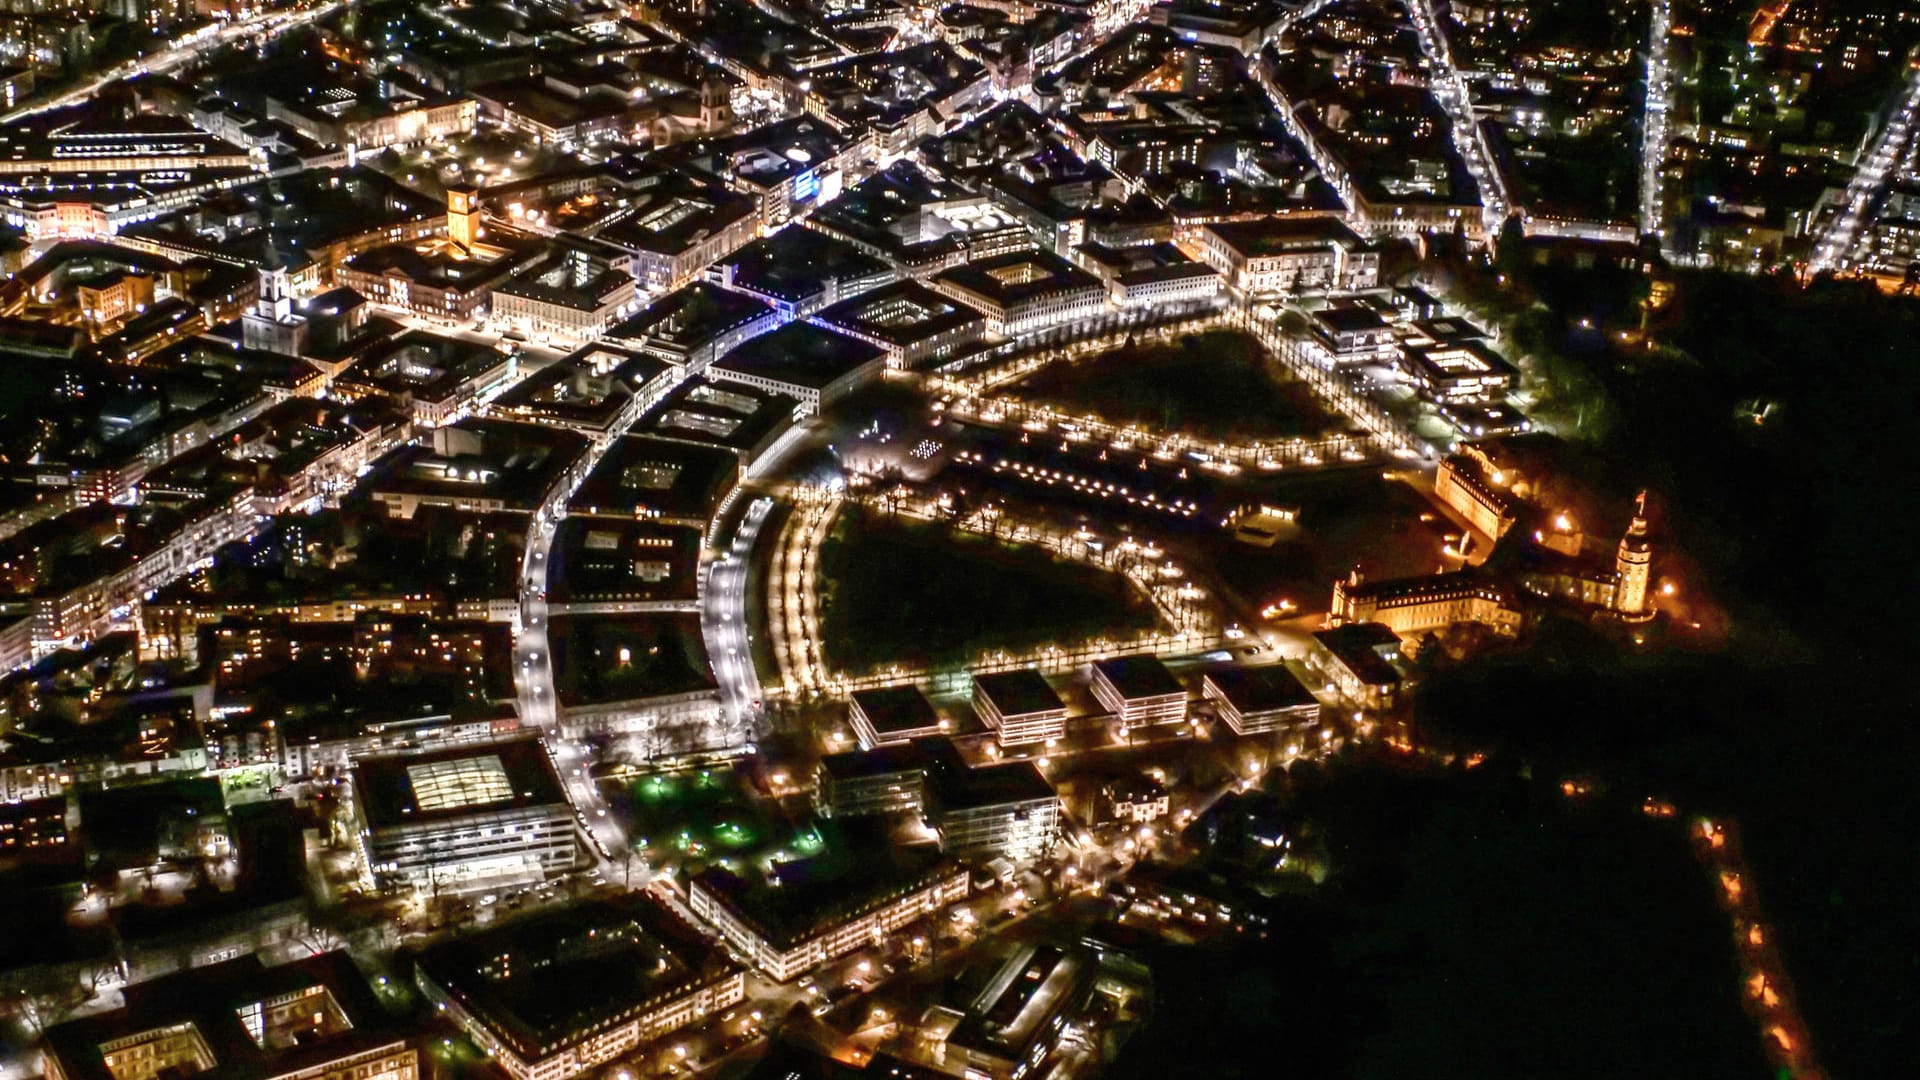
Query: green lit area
pixel 709 815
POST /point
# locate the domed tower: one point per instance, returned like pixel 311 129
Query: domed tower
pixel 1634 563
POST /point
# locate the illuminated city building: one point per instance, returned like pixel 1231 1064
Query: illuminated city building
pixel 1007 810
pixel 858 892
pixel 1633 563
pixel 1359 659
pixel 556 995
pixel 892 714
pixel 884 780
pixel 1013 1024
pixel 313 1019
pixel 1019 707
pixel 1286 255
pixel 1253 700
pixel 452 818
pixel 1415 605
pixel 1139 690
pixel 1464 488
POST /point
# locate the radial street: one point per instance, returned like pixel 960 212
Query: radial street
pixel 1841 237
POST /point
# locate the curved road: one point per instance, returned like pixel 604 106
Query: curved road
pixel 723 622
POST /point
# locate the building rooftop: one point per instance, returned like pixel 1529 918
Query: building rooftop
pixel 1139 676
pixel 800 354
pixel 879 761
pixel 899 314
pixel 1358 645
pixel 1018 277
pixel 549 981
pixel 895 709
pixel 588 387
pixel 647 477
pixel 729 414
pixel 952 785
pixel 861 868
pixel 237 1011
pixel 1019 692
pixel 411 789
pixel 1260 689
pixel 796 263
pixel 1277 236
pixel 691 317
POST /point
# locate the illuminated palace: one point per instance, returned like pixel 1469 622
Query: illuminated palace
pixel 1545 567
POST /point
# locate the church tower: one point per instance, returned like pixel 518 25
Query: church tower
pixel 1634 563
pixel 272 325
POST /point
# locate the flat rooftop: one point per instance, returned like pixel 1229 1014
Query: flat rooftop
pixel 879 761
pixel 1019 276
pixel 801 354
pixel 467 780
pixel 796 263
pixel 1356 645
pixel 1276 236
pixel 724 413
pixel 900 314
pixel 894 709
pixel 692 316
pixel 588 387
pixel 860 868
pixel 955 786
pixel 1139 676
pixel 1019 692
pixel 1260 689
pixel 644 476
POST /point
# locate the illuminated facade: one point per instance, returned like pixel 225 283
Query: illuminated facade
pixel 554 996
pixel 1412 606
pixel 314 1019
pixel 470 814
pixel 1019 707
pixel 860 891
pixel 1460 484
pixel 1633 563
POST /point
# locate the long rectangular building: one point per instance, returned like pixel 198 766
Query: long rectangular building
pixel 860 890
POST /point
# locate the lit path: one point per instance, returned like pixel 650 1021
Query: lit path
pixel 1469 141
pixel 1835 249
pixel 1142 563
pixel 793 598
pixel 976 398
pixel 269 23
pixel 1656 124
pixel 1764 988
pixel 1323 159
pixel 1766 991
pixel 723 622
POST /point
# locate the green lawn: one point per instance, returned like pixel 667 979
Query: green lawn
pixel 702 816
pixel 906 591
pixel 1216 385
